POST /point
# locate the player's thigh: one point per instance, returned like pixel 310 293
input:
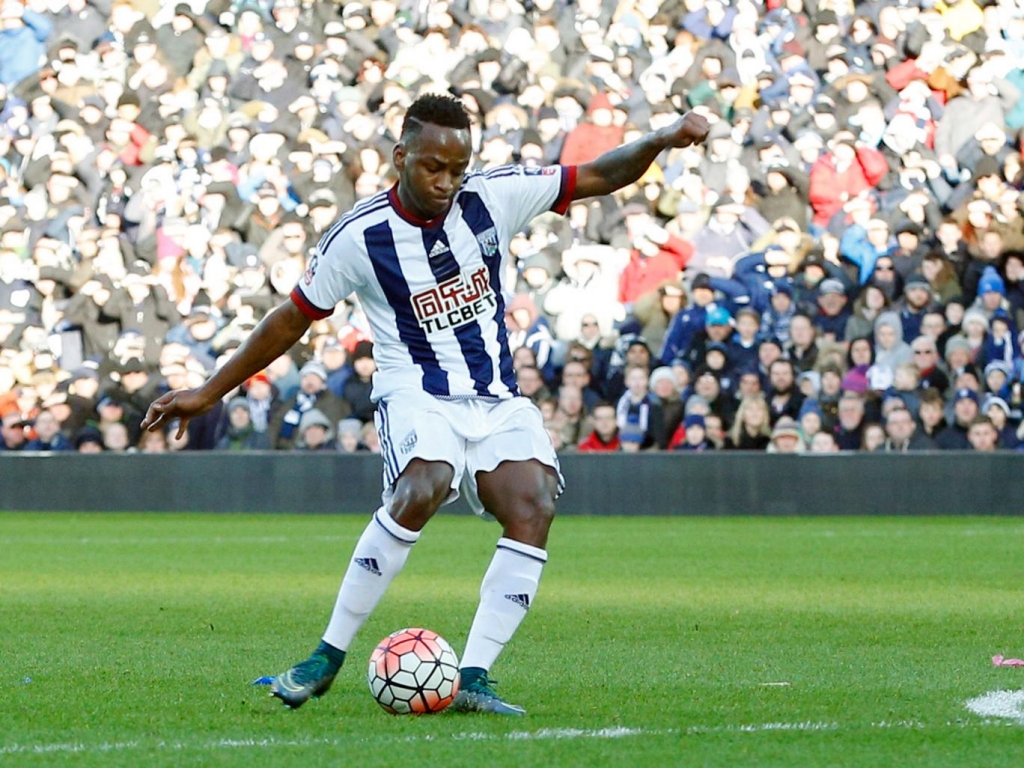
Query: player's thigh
pixel 421 489
pixel 514 468
pixel 424 459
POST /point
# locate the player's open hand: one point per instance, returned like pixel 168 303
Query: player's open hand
pixel 180 404
pixel 691 129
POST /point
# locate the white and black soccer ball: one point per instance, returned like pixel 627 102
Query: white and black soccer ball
pixel 413 672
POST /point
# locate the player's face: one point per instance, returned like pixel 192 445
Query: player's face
pixel 431 165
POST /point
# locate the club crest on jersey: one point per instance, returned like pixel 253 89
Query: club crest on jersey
pixel 408 443
pixel 457 301
pixel 314 261
pixel 488 240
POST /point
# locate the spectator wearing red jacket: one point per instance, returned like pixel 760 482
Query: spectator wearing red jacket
pixel 605 436
pixel 593 137
pixel 656 256
pixel 842 173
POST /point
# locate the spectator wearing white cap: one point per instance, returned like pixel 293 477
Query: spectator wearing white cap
pixel 833 313
pixel 891 350
pixel 315 432
pixel 238 433
pixel 999 413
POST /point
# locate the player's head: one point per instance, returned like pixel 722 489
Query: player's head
pixel 433 154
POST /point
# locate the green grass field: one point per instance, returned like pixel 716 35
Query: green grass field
pixel 132 640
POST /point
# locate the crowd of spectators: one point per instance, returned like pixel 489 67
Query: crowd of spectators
pixel 840 268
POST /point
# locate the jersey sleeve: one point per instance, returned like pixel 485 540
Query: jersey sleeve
pixel 330 277
pixel 527 192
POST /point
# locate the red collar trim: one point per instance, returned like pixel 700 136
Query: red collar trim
pixel 409 216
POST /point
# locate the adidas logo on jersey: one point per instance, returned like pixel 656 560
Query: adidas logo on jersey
pixel 439 249
pixel 370 564
pixel 522 600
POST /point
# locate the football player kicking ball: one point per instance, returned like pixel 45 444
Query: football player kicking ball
pixel 427 260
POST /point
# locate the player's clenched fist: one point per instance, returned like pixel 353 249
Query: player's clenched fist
pixel 692 129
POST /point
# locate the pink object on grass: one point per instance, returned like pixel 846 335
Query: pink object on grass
pixel 999 661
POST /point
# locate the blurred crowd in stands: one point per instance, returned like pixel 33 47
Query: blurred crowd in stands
pixel 840 268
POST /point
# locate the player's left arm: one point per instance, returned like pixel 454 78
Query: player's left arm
pixel 624 165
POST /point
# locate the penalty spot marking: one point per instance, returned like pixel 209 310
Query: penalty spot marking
pixel 1008 705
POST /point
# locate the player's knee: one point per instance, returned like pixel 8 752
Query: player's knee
pixel 534 510
pixel 415 501
pixel 543 507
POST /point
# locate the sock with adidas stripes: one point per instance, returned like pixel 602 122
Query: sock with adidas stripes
pixel 379 555
pixel 506 594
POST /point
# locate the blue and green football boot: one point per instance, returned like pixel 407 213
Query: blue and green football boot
pixel 476 694
pixel 309 679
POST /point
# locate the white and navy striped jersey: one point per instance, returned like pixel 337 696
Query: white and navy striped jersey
pixel 434 292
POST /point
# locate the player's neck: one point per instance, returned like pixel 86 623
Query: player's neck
pixel 408 209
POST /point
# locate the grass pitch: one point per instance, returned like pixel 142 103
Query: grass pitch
pixel 132 640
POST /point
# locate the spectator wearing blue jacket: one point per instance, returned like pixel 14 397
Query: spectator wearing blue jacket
pixel 23 35
pixel 689 321
pixel 48 435
pixel 916 301
pixel 776 319
pixel 832 310
pixel 718 329
pixel 528 328
pixel 864 245
pixel 713 20
pixel 762 273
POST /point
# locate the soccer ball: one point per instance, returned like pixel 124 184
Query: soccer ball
pixel 413 672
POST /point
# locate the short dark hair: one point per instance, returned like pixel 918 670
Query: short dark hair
pixel 981 420
pixel 898 409
pixel 437 109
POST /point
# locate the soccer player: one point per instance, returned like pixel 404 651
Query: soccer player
pixel 427 259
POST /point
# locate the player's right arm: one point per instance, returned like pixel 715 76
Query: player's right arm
pixel 623 165
pixel 274 336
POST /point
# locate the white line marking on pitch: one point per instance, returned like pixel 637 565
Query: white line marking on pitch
pixel 538 735
pixel 1008 705
pixel 144 540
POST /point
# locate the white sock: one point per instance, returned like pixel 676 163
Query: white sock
pixel 378 557
pixel 506 594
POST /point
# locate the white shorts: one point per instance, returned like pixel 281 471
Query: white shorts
pixel 471 435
